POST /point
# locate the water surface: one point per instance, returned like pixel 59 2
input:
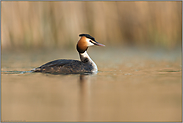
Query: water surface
pixel 131 85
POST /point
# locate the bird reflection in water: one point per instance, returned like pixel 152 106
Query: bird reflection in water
pixel 85 97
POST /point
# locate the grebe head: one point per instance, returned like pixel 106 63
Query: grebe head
pixel 85 41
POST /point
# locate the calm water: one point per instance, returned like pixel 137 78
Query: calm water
pixel 131 85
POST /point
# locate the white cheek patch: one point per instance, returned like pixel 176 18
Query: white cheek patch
pixel 88 42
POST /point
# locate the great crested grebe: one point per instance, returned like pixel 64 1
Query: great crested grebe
pixel 65 66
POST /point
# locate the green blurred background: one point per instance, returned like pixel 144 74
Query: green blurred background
pixel 35 25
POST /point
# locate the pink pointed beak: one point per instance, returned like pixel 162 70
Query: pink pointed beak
pixel 99 44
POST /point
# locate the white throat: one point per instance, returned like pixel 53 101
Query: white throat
pixel 86 59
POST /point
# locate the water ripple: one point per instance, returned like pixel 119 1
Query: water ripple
pixel 15 72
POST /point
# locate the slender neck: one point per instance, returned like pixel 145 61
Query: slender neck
pixel 85 58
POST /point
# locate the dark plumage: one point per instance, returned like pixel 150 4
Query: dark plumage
pixel 65 66
pixel 88 36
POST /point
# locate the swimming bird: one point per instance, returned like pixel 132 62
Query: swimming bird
pixel 67 66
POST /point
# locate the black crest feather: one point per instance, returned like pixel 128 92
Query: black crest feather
pixel 88 36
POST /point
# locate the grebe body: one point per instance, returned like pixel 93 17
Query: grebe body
pixel 65 66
